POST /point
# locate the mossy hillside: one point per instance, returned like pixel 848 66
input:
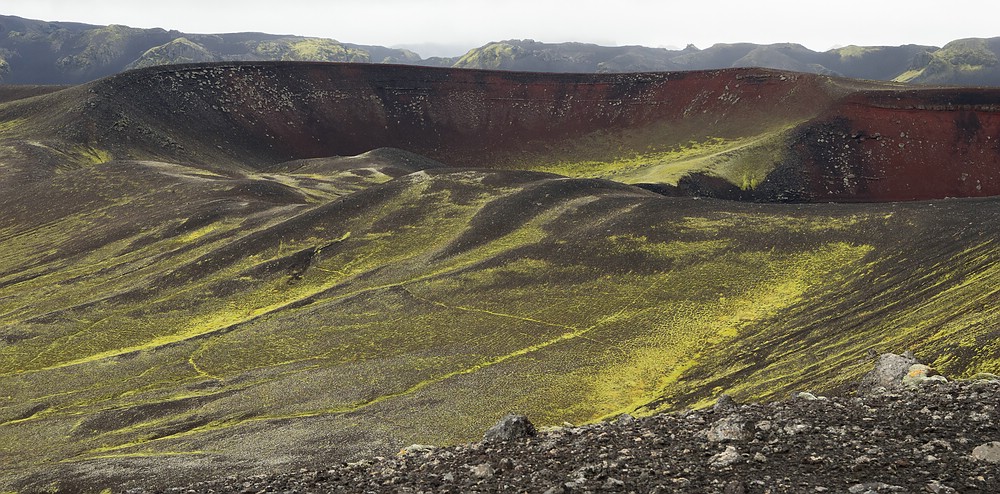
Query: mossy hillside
pixel 310 49
pixel 133 249
pixel 716 131
pixel 973 52
pixel 492 56
pixel 180 50
pixel 116 269
pixel 100 47
pixel 240 335
pixel 34 143
pixel 731 141
pixel 828 344
pixel 964 61
pixel 909 75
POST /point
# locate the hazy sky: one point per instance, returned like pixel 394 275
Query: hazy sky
pixel 464 24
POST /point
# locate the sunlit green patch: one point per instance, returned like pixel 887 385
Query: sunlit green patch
pixel 909 75
pixel 743 161
pixel 853 51
pixel 310 49
pixel 491 56
pixel 9 126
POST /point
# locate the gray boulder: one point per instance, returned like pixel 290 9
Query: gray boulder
pixel 731 428
pixel 510 427
pixel 725 404
pixel 989 452
pixel 888 373
pixel 807 396
pixel 919 374
pixel 727 458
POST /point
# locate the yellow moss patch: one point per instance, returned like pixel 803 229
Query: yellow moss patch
pixel 668 250
pixel 753 288
pixel 9 125
pixel 909 75
pixel 89 155
pixel 744 162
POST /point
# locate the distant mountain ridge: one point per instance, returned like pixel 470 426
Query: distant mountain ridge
pixel 972 61
pixel 40 52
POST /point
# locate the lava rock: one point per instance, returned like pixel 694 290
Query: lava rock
pixel 732 428
pixel 940 438
pixel 806 396
pixel 874 487
pixel 918 374
pixel 936 487
pixel 729 457
pixel 509 428
pixel 725 404
pixel 482 471
pixel 888 373
pixel 989 452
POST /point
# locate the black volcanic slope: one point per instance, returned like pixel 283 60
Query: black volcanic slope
pixel 194 284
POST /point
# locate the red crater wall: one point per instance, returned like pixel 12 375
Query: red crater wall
pixel 262 113
pixel 860 141
pixel 911 145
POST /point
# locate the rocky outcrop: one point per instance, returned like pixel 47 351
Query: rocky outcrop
pixel 888 373
pixel 510 427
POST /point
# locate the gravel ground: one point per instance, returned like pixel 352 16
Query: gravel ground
pixel 937 437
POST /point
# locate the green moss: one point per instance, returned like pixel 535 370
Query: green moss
pixel 961 60
pixel 667 166
pixel 681 251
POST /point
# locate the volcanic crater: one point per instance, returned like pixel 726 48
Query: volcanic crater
pixel 253 267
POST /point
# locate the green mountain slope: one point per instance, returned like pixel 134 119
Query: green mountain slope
pixel 971 61
pixel 39 52
pixel 960 62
